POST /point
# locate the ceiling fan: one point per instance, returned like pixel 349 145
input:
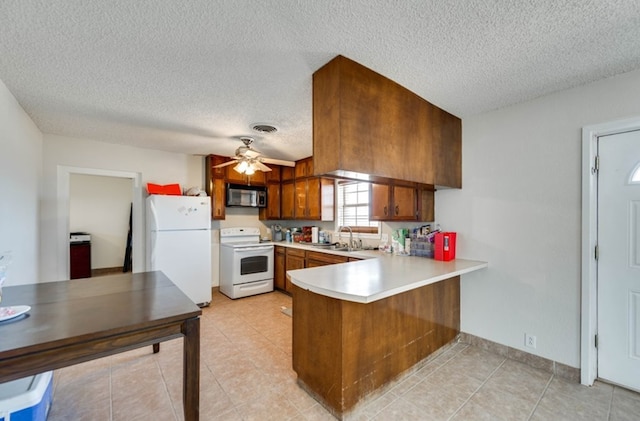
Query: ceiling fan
pixel 248 160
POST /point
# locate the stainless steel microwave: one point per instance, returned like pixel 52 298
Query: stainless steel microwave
pixel 248 196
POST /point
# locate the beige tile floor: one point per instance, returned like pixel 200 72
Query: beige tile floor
pixel 246 375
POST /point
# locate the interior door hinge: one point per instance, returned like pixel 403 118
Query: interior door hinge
pixel 596 165
pixel 596 252
pixel 596 341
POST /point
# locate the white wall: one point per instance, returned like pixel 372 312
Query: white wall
pixel 59 151
pixel 520 210
pixel 20 170
pixel 100 206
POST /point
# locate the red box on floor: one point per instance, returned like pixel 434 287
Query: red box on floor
pixel 445 246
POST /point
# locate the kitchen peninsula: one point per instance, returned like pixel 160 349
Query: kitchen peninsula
pixel 359 325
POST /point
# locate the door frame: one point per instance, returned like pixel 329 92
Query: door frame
pixel 589 281
pixel 62 238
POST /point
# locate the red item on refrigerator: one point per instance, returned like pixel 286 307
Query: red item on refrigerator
pixel 445 246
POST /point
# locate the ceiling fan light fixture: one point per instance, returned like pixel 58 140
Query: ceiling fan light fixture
pixel 264 128
pixel 250 170
pixel 241 167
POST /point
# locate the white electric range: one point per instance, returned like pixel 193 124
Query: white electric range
pixel 246 264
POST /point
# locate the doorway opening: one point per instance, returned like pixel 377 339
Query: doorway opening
pixel 589 316
pixel 64 226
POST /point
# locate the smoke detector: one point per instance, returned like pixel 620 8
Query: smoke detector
pixel 264 128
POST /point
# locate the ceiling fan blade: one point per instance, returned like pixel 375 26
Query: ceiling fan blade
pixel 261 166
pixel 279 162
pixel 235 161
pixel 251 153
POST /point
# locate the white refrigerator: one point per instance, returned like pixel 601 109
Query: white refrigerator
pixel 179 243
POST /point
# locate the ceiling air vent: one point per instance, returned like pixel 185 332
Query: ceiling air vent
pixel 264 128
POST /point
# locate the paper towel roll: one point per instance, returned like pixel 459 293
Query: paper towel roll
pixel 314 234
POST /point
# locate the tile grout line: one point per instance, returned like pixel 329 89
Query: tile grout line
pixel 546 387
pixel 479 387
pixel 110 388
pixel 613 390
pixel 166 388
pixel 423 379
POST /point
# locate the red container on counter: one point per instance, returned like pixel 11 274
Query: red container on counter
pixel 445 246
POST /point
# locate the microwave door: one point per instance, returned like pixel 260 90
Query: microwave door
pixel 248 198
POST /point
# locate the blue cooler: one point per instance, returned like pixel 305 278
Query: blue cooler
pixel 27 399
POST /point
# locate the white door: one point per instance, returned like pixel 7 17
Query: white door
pixel 185 257
pixel 619 259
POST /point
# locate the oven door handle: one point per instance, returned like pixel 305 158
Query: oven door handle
pixel 251 249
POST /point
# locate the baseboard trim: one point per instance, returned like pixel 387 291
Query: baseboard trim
pixel 561 370
pixel 106 271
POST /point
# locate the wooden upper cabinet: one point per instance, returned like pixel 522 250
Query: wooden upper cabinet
pixel 304 168
pixel 272 176
pixel 272 211
pixel 405 204
pixel 364 123
pixel 215 185
pixel 287 200
pixel 287 173
pixel 235 177
pixel 218 204
pixel 393 203
pixel 314 199
pixel 426 205
pixel 214 160
pixel 379 202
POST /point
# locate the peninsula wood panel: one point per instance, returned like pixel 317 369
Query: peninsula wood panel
pixel 364 123
pixel 343 351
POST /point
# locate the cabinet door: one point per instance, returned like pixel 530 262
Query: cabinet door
pixel 234 176
pixel 426 208
pixel 218 198
pixel 314 198
pixel 279 269
pixel 379 202
pixel 304 168
pixel 214 160
pixel 273 175
pixel 258 178
pixel 404 203
pixel 300 204
pixel 272 211
pixel 80 260
pixel 287 200
pixel 287 173
pixel 293 263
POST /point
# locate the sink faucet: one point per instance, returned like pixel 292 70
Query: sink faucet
pixel 350 246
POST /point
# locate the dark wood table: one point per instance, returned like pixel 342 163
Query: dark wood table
pixel 83 319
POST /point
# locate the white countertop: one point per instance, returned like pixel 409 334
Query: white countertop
pixel 379 276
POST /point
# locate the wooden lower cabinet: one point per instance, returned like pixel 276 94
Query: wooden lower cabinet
pixel 295 259
pixel 279 272
pixel 288 258
pixel 315 258
pixel 344 351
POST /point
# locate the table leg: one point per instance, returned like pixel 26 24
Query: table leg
pixel 191 369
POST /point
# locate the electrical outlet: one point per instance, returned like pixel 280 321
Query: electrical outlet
pixel 384 238
pixel 529 341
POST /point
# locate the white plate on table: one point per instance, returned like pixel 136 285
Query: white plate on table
pixel 7 313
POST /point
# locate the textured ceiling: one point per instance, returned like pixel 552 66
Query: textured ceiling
pixel 192 75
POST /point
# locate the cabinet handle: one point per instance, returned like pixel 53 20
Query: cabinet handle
pixel 385 211
pixel 397 210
